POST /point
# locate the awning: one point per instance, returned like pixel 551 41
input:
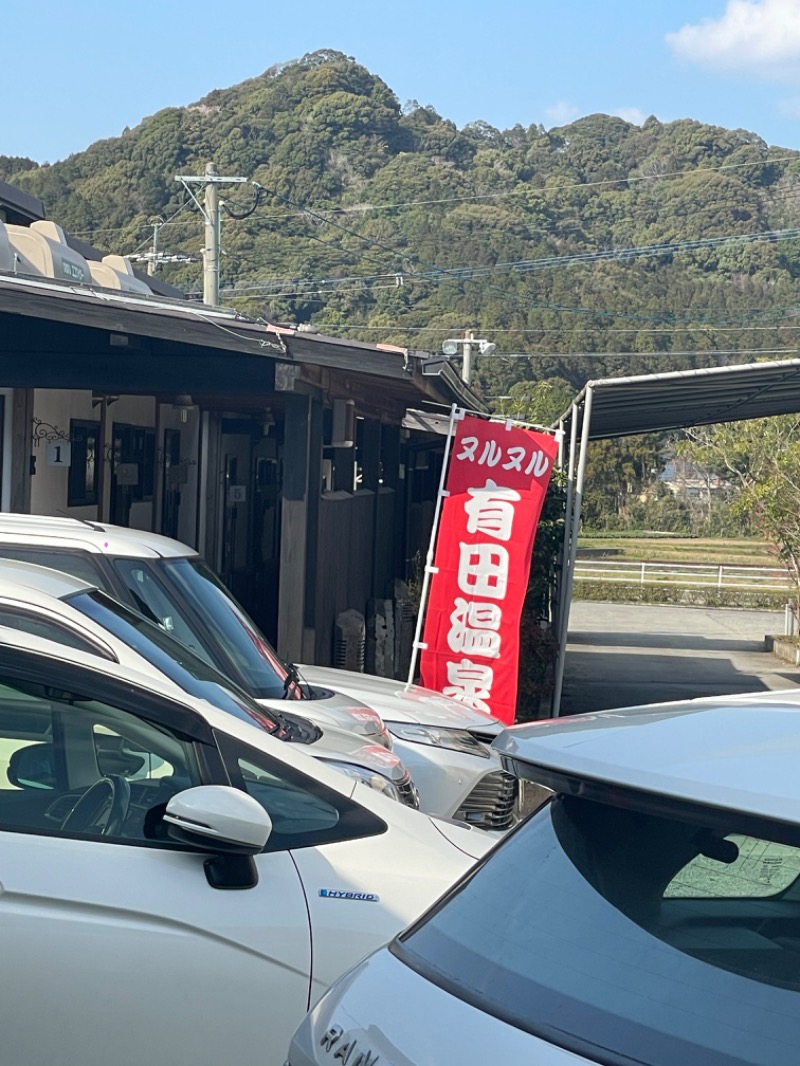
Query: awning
pixel 651 403
pixel 654 402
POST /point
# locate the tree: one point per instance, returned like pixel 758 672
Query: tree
pixel 537 402
pixel 763 457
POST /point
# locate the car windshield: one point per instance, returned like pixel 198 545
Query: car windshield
pixel 184 596
pixel 629 937
pixel 172 658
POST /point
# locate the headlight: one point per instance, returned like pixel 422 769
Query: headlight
pixel 366 777
pixel 456 739
pixel 369 723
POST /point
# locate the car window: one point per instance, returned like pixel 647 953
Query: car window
pixel 79 564
pixel 304 811
pixel 245 647
pixel 577 929
pixel 74 765
pixel 30 621
pixel 172 658
pixel 154 602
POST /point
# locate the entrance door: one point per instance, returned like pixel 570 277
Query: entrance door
pixel 132 469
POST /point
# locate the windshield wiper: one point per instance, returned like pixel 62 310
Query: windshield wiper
pixel 293 679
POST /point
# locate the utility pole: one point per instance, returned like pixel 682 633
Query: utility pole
pixel 212 222
pixel 152 259
pixel 211 250
pixel 466 365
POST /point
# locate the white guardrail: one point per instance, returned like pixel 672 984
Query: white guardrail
pixel 750 578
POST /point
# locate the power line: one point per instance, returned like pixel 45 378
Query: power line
pixel 494 330
pixel 546 262
pixel 336 225
pixel 548 191
pixel 636 355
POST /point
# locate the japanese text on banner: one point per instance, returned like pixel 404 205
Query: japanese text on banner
pixel 495 489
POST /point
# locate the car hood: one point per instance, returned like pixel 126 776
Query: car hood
pixel 341 746
pixel 334 710
pixel 394 703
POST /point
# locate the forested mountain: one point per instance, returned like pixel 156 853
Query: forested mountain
pixel 387 223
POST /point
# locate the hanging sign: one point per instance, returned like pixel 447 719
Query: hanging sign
pixel 59 453
pixel 496 484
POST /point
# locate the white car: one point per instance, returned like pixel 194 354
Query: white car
pixel 649 912
pixel 445 744
pixel 52 604
pixel 441 739
pixel 178 886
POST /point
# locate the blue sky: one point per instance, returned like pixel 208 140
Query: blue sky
pixel 73 73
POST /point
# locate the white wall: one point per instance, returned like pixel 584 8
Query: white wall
pixel 49 485
pixel 169 418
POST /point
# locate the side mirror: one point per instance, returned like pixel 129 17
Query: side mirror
pixel 225 821
pixel 32 767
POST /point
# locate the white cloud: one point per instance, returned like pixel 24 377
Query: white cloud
pixel 630 114
pixel 759 37
pixel 561 113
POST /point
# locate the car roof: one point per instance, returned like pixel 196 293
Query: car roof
pixel 45 530
pixel 17 577
pixel 730 754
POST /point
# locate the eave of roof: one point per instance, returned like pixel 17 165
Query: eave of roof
pixel 194 325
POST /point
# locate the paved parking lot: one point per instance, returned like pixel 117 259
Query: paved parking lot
pixel 624 654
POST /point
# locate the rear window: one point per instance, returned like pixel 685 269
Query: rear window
pixel 629 937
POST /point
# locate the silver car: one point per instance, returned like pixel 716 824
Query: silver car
pixel 647 913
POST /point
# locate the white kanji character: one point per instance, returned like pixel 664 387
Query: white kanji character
pixel 492 453
pixel 515 457
pixel 469 683
pixel 473 629
pixel 470 445
pixel 491 510
pixel 538 464
pixel 483 570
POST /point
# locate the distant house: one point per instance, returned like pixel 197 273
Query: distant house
pixel 688 481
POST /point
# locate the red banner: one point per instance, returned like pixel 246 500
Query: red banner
pixel 495 489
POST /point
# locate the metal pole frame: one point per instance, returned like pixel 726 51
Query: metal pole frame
pixel 571 526
pixel 456 414
pixel 571 458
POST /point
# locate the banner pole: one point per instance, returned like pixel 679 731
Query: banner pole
pixel 429 568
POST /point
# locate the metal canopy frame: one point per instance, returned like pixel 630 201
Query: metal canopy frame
pixel 650 403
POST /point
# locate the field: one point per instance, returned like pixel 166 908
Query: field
pixel 677 550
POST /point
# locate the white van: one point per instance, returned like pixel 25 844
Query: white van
pixel 649 912
pixel 446 745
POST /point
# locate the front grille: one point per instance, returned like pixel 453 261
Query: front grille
pixel 492 803
pixel 408 791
